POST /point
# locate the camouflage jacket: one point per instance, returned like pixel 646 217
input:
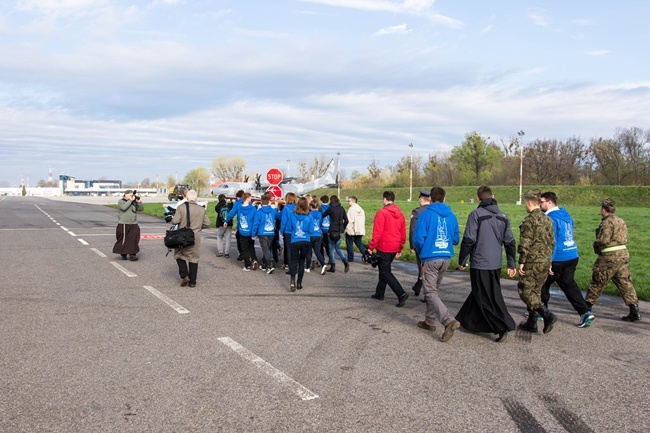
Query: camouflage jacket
pixel 611 232
pixel 536 238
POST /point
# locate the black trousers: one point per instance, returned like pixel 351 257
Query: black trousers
pixel 563 275
pixel 386 276
pixel 248 250
pixel 184 272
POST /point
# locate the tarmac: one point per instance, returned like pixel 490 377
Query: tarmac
pixel 94 343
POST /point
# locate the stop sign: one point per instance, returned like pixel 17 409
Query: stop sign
pixel 274 176
pixel 275 192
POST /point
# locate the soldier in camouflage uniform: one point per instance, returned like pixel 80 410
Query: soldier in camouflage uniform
pixel 536 244
pixel 613 261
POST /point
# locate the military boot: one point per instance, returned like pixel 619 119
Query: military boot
pixel 634 315
pixel 530 324
pixel 549 318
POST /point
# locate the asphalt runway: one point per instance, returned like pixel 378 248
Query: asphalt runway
pixel 91 343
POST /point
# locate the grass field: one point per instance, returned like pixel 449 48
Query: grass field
pixel 586 220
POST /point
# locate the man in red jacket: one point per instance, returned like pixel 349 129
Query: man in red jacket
pixel 388 238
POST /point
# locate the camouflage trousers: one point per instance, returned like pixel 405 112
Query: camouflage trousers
pixel 615 267
pixel 530 284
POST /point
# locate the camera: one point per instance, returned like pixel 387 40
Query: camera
pixel 373 260
pixel 135 195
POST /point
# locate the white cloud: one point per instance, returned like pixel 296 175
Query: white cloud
pixel 487 28
pixel 393 30
pixel 598 53
pixel 539 17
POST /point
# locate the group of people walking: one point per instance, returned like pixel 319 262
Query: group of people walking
pixel 306 229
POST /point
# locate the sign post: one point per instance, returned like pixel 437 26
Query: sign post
pixel 274 177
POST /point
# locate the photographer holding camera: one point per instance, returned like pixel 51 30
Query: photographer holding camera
pixel 128 230
pixel 388 238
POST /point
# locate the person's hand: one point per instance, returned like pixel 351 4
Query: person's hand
pixel 398 255
pixel 461 268
pixel 521 270
pixel 412 251
pixel 550 271
pixel 512 272
pixel 225 224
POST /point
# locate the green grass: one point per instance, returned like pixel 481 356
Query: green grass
pixel 586 220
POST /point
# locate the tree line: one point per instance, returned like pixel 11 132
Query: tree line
pixel 623 159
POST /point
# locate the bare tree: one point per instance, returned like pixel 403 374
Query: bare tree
pixel 229 169
pixel 374 169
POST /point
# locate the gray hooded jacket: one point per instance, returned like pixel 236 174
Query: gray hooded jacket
pixel 487 229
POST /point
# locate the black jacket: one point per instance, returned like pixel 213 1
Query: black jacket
pixel 338 218
pixel 220 205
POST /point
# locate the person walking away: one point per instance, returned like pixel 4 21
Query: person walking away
pixel 486 231
pixel 198 220
pixel 127 231
pixel 316 237
pixel 284 217
pixel 613 262
pixel 300 226
pixel 224 234
pixel 388 239
pixel 325 227
pixel 565 259
pixel 435 234
pixel 536 245
pixel 233 212
pixel 355 230
pixel 338 222
pixel 415 213
pixel 245 217
pixel 264 230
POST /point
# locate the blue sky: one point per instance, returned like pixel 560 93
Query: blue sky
pixel 135 89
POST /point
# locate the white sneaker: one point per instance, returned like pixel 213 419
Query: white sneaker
pixel 270 269
pixel 323 270
pixel 307 270
pixel 247 269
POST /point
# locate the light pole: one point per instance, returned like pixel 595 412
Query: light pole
pixel 411 175
pixel 338 177
pixel 288 161
pixel 521 134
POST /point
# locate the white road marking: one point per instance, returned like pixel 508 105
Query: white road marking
pixel 267 368
pixel 72 234
pixel 65 229
pixel 58 224
pixel 123 270
pixel 175 305
pixel 83 242
pixel 96 251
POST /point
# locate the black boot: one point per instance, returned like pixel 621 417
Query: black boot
pixel 529 325
pixel 634 315
pixel 347 265
pixel 332 268
pixel 549 318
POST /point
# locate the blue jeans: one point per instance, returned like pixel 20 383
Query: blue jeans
pixel 335 246
pixel 350 242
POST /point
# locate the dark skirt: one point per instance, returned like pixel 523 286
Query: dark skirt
pixel 128 239
pixel 485 310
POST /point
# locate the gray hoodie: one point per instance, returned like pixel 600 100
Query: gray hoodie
pixel 487 229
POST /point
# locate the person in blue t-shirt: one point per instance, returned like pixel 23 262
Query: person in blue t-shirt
pixel 565 259
pixel 287 210
pixel 436 232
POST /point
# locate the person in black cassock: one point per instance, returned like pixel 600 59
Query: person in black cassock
pixel 487 229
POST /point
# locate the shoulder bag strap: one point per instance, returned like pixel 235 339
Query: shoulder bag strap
pixel 187 204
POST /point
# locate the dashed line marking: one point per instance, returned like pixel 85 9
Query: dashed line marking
pixel 83 242
pixel 96 251
pixel 123 270
pixel 175 305
pixel 267 368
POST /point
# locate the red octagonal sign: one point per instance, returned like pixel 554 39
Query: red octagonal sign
pixel 275 192
pixel 274 176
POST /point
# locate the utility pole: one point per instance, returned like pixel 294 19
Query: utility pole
pixel 521 134
pixel 338 177
pixel 411 175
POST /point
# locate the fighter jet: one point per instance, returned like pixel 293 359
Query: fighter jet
pixel 256 188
